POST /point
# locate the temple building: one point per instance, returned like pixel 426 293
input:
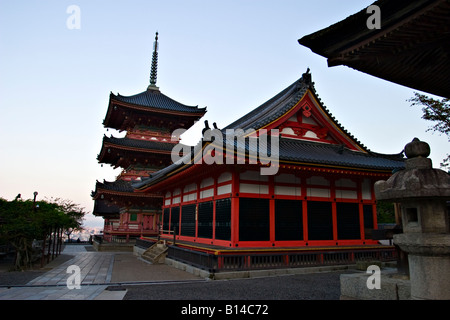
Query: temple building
pixel 148 118
pixel 285 175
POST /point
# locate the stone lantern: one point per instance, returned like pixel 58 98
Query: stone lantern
pixel 422 193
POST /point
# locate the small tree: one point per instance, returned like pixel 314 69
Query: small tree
pixel 75 214
pixel 385 212
pixel 437 111
pixel 23 221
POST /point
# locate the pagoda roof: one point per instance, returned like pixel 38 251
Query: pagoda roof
pixel 103 208
pixel 411 47
pixel 149 108
pixel 127 146
pixel 121 193
pixel 116 186
pixel 154 100
pixel 142 145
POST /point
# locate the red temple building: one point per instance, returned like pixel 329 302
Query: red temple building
pixel 321 194
pixel 148 118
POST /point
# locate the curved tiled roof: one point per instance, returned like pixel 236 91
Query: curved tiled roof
pixel 156 100
pixel 293 150
pixel 271 109
pixel 330 154
pixel 277 106
pixel 103 208
pixel 300 151
pixel 138 144
pixel 118 186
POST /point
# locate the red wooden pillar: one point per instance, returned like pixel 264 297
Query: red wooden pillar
pixel 304 193
pixel 361 220
pixel 169 226
pixel 361 210
pixel 181 209
pixel 234 221
pixel 214 221
pixel 235 210
pixel 333 208
pixel 305 219
pixel 272 220
pixel 374 208
pixel 179 214
pixel 334 217
pixel 271 183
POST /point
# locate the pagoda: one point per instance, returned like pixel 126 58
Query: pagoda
pixel 320 193
pixel 148 118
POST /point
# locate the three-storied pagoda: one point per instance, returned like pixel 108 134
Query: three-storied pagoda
pixel 320 195
pixel 149 118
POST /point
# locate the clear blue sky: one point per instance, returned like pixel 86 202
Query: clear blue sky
pixel 229 56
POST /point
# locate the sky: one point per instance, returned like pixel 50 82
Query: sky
pixel 229 56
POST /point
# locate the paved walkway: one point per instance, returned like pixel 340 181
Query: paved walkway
pixel 96 270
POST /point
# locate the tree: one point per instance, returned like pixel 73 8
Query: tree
pixel 437 111
pixel 74 212
pixel 24 221
pixel 385 212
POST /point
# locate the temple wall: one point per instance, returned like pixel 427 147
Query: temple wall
pixel 245 209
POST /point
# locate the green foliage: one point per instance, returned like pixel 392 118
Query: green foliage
pixel 385 212
pixel 437 111
pixel 23 221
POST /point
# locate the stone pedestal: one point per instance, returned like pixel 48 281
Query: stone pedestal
pixel 429 263
pixel 422 193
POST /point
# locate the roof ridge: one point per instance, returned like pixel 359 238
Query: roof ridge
pixel 270 105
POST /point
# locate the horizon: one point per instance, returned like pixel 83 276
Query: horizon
pixel 229 57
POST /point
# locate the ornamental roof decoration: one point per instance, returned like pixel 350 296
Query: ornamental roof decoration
pixel 154 69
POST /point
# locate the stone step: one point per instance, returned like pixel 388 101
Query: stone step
pixel 155 253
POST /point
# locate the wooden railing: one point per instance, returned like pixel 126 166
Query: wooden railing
pixel 274 260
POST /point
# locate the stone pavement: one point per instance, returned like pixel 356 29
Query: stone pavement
pixel 98 271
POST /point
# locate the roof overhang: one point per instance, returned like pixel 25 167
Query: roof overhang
pixel 411 48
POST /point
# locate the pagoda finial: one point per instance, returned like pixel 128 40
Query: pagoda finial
pixel 154 69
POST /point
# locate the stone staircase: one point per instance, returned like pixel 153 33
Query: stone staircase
pixel 156 253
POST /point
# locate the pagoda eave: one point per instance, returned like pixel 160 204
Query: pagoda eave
pixel 121 116
pixel 128 199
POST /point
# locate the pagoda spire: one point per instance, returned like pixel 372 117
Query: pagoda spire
pixel 154 69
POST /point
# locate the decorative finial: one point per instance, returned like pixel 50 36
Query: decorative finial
pixel 417 148
pixel 417 153
pixel 154 69
pixel 307 77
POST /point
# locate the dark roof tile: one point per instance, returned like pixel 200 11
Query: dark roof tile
pixel 155 99
pixel 139 144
